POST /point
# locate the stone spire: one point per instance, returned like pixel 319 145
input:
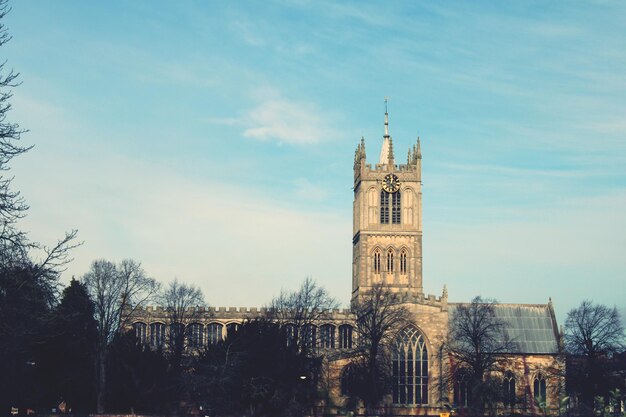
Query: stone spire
pixel 386 153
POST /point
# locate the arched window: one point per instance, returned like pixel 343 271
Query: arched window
pixel 214 333
pixel 390 260
pixel 309 337
pixel 177 334
pixel 231 329
pixel 195 335
pixel 508 390
pixel 539 390
pixel 327 336
pixel 395 208
pixel 291 330
pixel 345 336
pixel 410 368
pixel 384 207
pixel 461 385
pixel 403 261
pixel 347 381
pixel 157 335
pixel 141 330
pixel 377 261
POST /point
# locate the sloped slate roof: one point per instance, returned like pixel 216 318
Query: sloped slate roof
pixel 530 327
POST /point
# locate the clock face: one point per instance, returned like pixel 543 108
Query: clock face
pixel 391 183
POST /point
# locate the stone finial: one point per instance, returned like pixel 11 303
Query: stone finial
pixel 419 149
pixel 390 156
pixel 445 291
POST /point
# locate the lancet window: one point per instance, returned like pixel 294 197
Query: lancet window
pixel 395 208
pixel 410 369
pixel 539 389
pixel 390 260
pixel 403 261
pixel 377 261
pixel 508 390
pixel 157 335
pixel 141 330
pixel 384 207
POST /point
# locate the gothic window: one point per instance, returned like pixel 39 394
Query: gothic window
pixel 347 380
pixel 384 207
pixel 395 208
pixel 291 330
pixel 461 393
pixel 214 333
pixel 309 336
pixel 508 390
pixel 403 261
pixel 157 335
pixel 195 335
pixel 410 369
pixel 539 390
pixel 327 336
pixel 176 333
pixel 231 329
pixel 377 261
pixel 140 331
pixel 345 336
pixel 390 260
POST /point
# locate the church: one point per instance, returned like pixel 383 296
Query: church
pixel 387 251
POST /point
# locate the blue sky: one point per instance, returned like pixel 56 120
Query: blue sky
pixel 213 141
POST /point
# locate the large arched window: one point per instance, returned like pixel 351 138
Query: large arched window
pixel 231 329
pixel 214 333
pixel 539 390
pixel 309 337
pixel 410 368
pixel 345 336
pixel 377 261
pixel 508 390
pixel 403 261
pixel 395 208
pixel 384 207
pixel 195 335
pixel 157 335
pixel 141 330
pixel 177 335
pixel 390 260
pixel 327 336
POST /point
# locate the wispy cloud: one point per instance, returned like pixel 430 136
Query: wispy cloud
pixel 286 121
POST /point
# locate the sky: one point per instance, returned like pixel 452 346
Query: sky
pixel 214 141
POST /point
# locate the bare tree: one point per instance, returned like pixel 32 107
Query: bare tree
pixel 117 291
pixel 593 334
pixel 380 316
pixel 302 309
pixel 182 304
pixel 477 345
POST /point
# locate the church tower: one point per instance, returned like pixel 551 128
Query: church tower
pixel 387 214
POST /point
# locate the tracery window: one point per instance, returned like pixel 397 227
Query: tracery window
pixel 231 329
pixel 461 393
pixel 157 335
pixel 377 261
pixel 410 368
pixel 508 390
pixel 195 335
pixel 345 336
pixel 214 333
pixel 539 390
pixel 384 207
pixel 141 330
pixel 309 336
pixel 403 261
pixel 395 208
pixel 177 334
pixel 390 260
pixel 327 336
